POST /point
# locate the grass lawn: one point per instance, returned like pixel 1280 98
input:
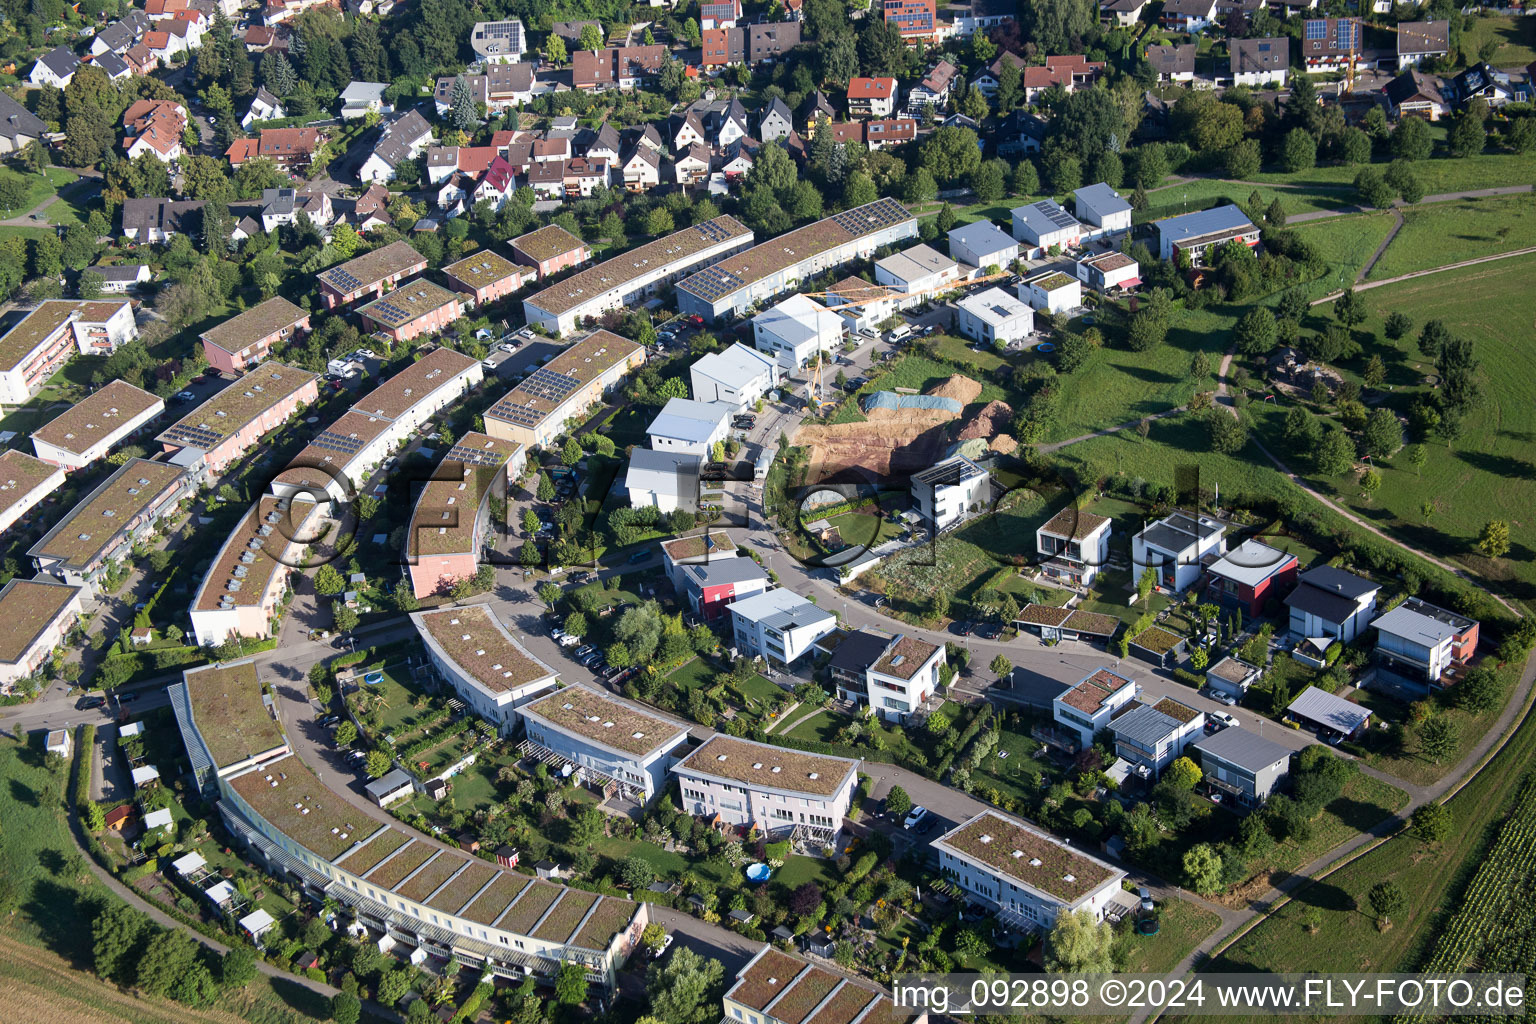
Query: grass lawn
pixel 1347 244
pixel 1197 193
pixel 951 347
pixel 1000 211
pixel 398 717
pixel 1116 385
pixel 1017 774
pixel 39 187
pixel 921 373
pixel 1516 37
pixel 1442 233
pixel 1182 926
pixel 1486 473
pixel 862 530
pixel 1438 175
pixel 1347 938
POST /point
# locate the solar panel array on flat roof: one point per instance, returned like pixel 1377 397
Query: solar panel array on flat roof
pixel 469 455
pixel 544 383
pixel 193 437
pixel 347 444
pixel 882 213
pixel 713 282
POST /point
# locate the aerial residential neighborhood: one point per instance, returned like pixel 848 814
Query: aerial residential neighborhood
pixel 683 511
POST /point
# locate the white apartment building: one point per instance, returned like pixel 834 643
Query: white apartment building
pixel 35 617
pixel 1029 876
pixel 613 745
pixel 1102 209
pixel 903 678
pixel 1174 546
pixel 338 461
pixel 24 482
pixel 781 791
pixel 919 273
pixel 992 316
pixel 627 280
pixel 778 625
pixel 91 428
pixel 1087 708
pixel 242 592
pixel 736 378
pixel 982 244
pixel 484 663
pixel 1044 225
pixel 947 493
pixel 796 329
pixel 1052 292
pixel 45 339
pixel 689 428
pixel 1151 736
pixel 1074 545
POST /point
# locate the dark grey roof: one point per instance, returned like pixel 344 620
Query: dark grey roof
pixel 137 21
pixel 859 650
pixel 119 272
pixel 1242 748
pixel 607 139
pixel 779 107
pixel 61 60
pixel 117 37
pixel 16 120
pixel 1327 606
pixel 1172 60
pixel 394 144
pixel 1260 56
pixel 720 571
pixel 1323 708
pixel 168 215
pixel 1337 581
pixel 277 202
pixel 1145 726
pixel 1413 83
pixel 388 784
pixel 112 64
pixel 766 42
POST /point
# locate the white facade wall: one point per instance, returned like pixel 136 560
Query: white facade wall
pixel 773 810
pixel 894 698
pixel 782 646
pixel 52 482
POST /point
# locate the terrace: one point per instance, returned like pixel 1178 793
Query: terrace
pixel 605 720
pixel 1031 857
pixel 296 803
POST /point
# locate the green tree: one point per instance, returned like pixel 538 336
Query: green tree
pixel 1255 332
pixel 116 935
pixel 345 1008
pixel 1299 151
pixel 897 802
pixel 328 581
pixel 685 989
pixel 1383 434
pixel 1243 160
pixel 1411 139
pixel 237 967
pixel 1183 774
pixel 1388 900
pixel 1202 869
pixel 1493 541
pixel 1433 823
pixel 571 985
pixel 591 37
pixel 1335 454
pixel 554 50
pixel 1437 739
pixel 376 764
pixel 1077 944
pixel 1001 666
pixel 346 732
pixel 1467 136
pixel 168 956
pixel 1355 146
pixel 546 487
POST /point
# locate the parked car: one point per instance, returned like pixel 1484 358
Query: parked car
pixel 695 320
pixel 1146 897
pixel 90 703
pixel 639 556
pixel 1224 720
pixel 127 698
pixel 569 641
pixel 989 631
pixel 584 650
pixel 508 346
pixel 915 817
pixel 184 396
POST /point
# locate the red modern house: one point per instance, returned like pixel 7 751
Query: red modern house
pixel 710 586
pixel 1247 576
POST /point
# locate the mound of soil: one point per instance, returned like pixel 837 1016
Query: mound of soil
pixel 959 387
pixel 992 419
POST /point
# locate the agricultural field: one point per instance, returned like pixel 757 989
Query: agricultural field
pixel 1444 233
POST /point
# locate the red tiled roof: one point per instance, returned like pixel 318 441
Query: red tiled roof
pixel 873 88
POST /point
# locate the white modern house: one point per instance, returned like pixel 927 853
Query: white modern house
pixel 1102 209
pixel 1329 602
pixel 1030 876
pixel 665 481
pixel 1107 271
pixel 612 745
pixel 736 377
pixel 687 427
pixel 1245 767
pixel 1051 291
pixel 901 679
pixel 796 329
pixel 1045 225
pixel 919 273
pixel 982 244
pixel 1173 547
pixel 1425 640
pixel 994 316
pixel 951 491
pixel 778 625
pixel 783 792
pixel 1087 708
pixel 359 99
pixel 700 547
pixel 1151 736
pixel 1074 545
pixel 486 665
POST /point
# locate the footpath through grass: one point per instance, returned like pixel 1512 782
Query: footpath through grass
pixel 1443 233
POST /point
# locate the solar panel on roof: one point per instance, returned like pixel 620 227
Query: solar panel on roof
pixel 1317 30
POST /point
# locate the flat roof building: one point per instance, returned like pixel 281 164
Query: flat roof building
pixel 90 428
pixel 46 337
pixel 1045 225
pixel 615 746
pixel 627 279
pixel 371 273
pixel 774 267
pixel 1030 876
pixel 243 341
pixel 35 617
pixel 108 521
pixel 993 316
pixel 1197 233
pixel 689 427
pixel 665 481
pixel 796 329
pixel 1246 767
pixel 486 277
pixel 781 791
pixel 24 483
pixel 484 663
pixel 452 513
pixel 216 708
pixel 549 250
pixel 779 624
pixel 233 421
pixel 241 593
pixel 412 309
pixel 535 412
pixel 982 244
pixel 916 274
pixel 737 377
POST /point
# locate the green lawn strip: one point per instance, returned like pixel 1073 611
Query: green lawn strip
pixel 1438 175
pixel 1434 875
pixel 1199 193
pixel 39 187
pixel 1346 245
pixel 1486 473
pixel 951 347
pixel 1016 775
pixel 1441 233
pixel 1181 927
